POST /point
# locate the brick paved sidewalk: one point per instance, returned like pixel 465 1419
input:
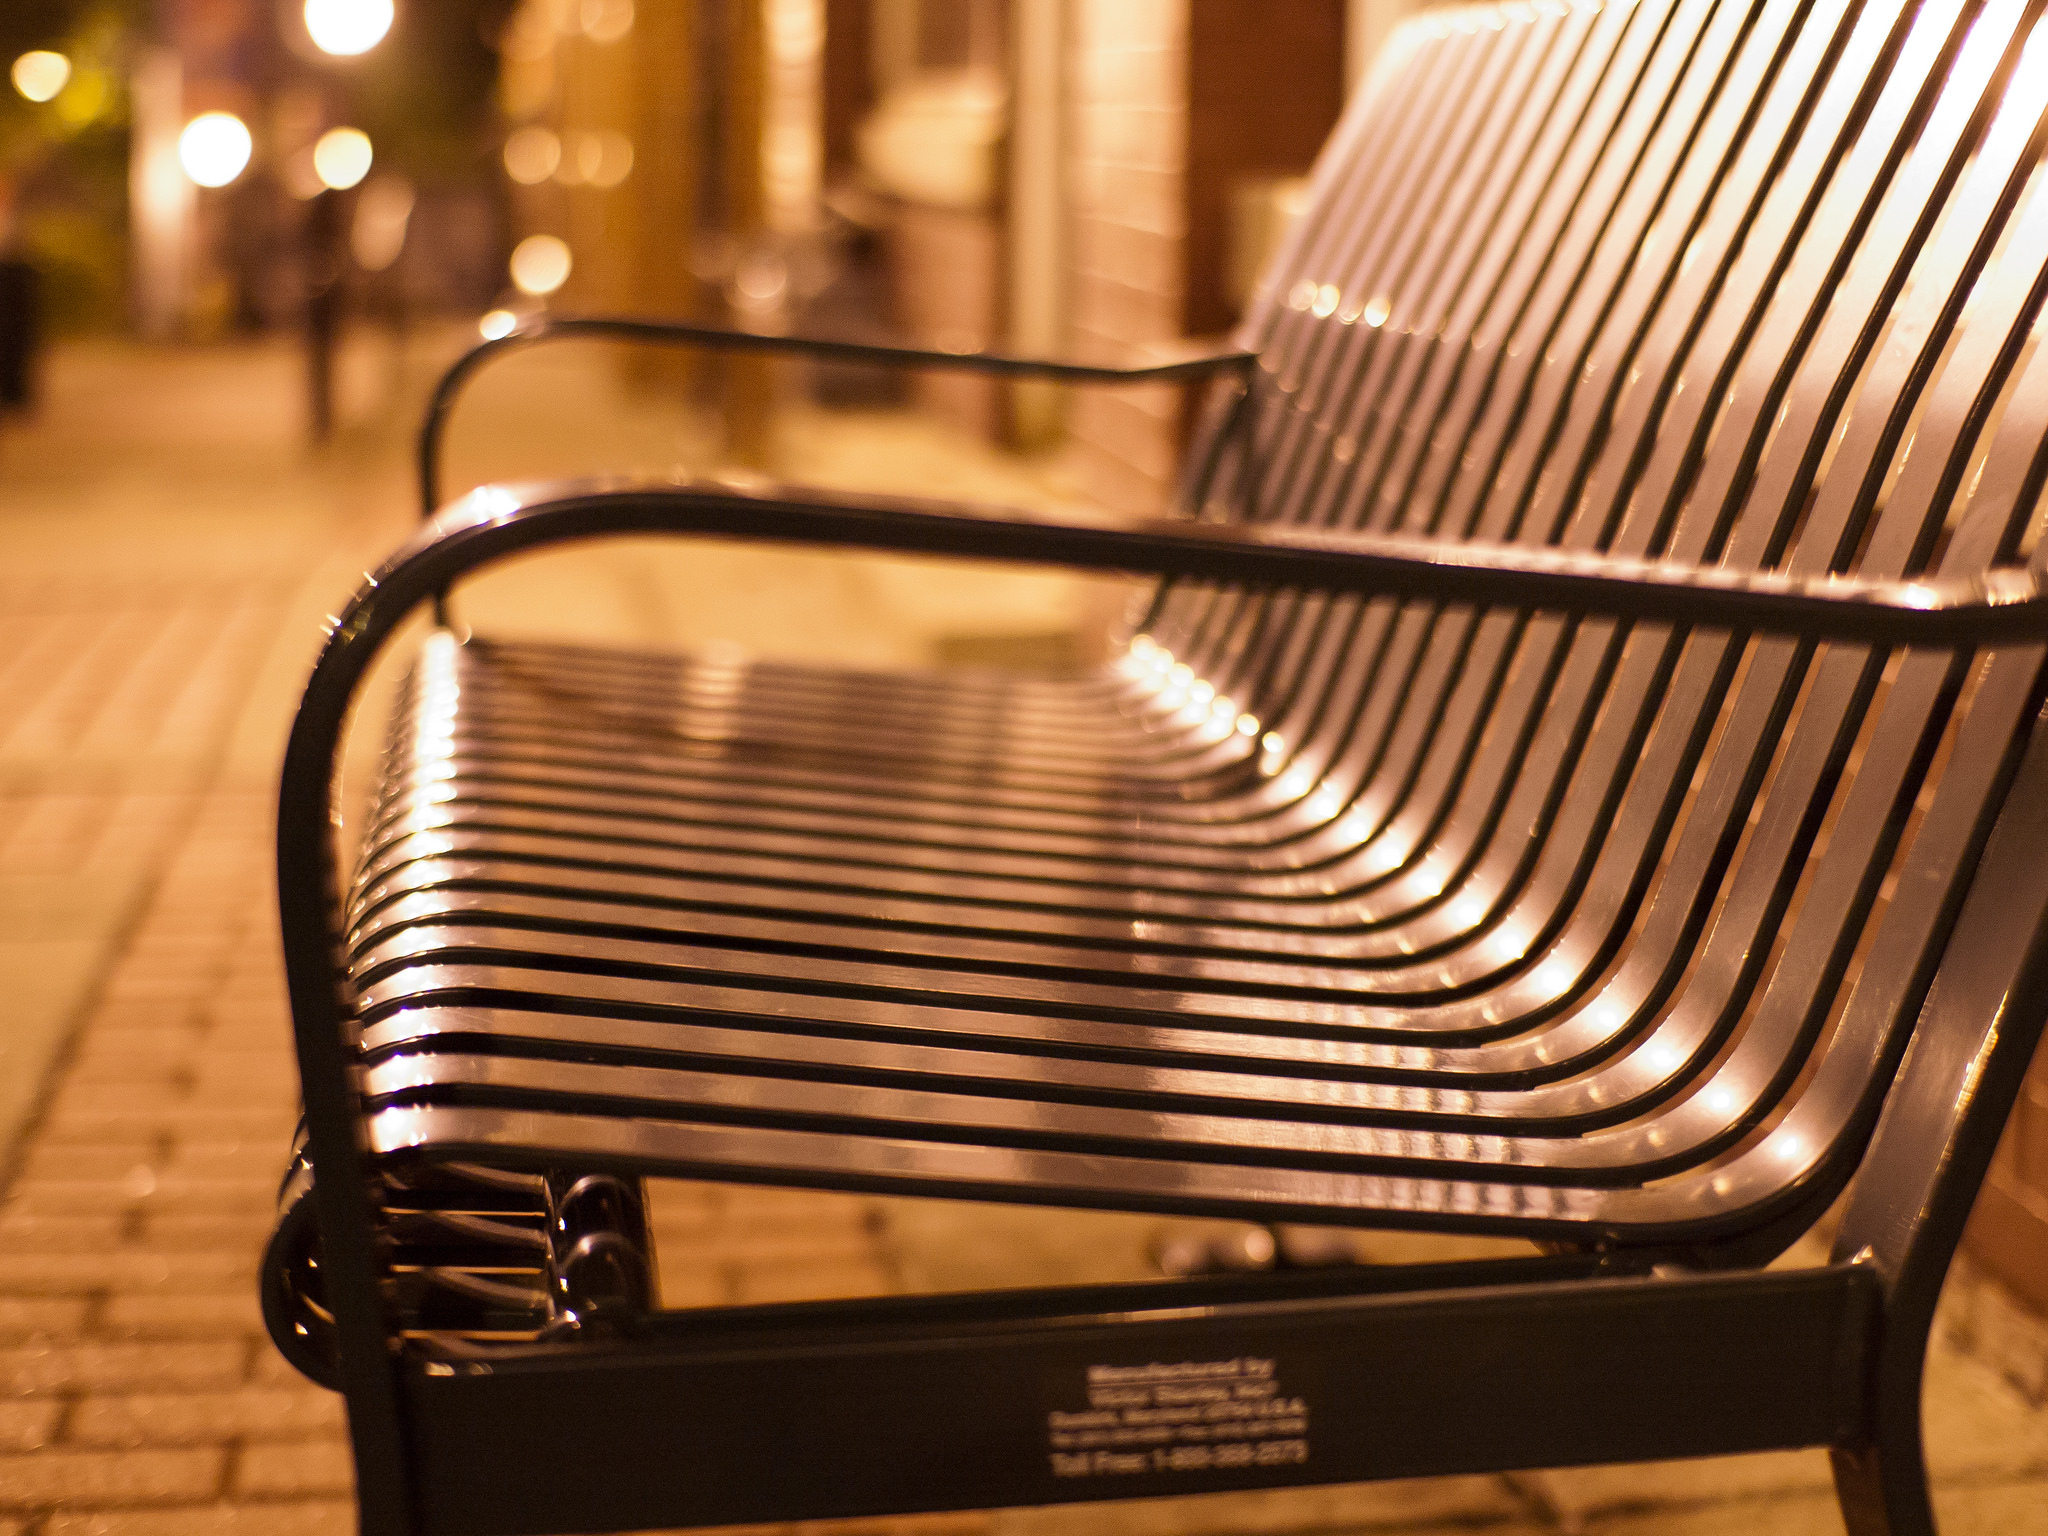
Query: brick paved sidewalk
pixel 157 611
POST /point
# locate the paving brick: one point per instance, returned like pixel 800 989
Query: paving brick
pixel 271 1077
pixel 793 1251
pixel 148 1122
pixel 173 1315
pixel 137 1138
pixel 39 1371
pixel 258 1160
pixel 197 1418
pixel 972 1523
pixel 1406 1505
pixel 809 1282
pixel 145 1186
pixel 90 1479
pixel 301 1469
pixel 78 1165
pixel 87 1097
pixel 1577 1492
pixel 121 1269
pixel 42 1233
pixel 127 1067
pixel 2003 1509
pixel 267 1368
pixel 695 1285
pixel 28 1317
pixel 327 1517
pixel 174 1231
pixel 26 1423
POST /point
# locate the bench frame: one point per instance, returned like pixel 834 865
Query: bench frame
pixel 899 1404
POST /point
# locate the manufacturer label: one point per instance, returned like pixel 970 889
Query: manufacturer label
pixel 1182 1416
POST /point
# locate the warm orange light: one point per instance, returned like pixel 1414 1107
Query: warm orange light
pixel 531 155
pixel 342 157
pixel 40 75
pixel 540 264
pixel 346 28
pixel 214 148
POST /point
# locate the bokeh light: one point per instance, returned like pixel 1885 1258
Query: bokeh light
pixel 41 75
pixel 606 21
pixel 348 27
pixel 604 159
pixel 214 148
pixel 383 214
pixel 341 157
pixel 497 323
pixel 531 155
pixel 540 264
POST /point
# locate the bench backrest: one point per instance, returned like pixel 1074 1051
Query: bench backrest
pixel 1745 284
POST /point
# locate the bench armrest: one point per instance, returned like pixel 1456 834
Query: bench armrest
pixel 1169 363
pixel 1999 606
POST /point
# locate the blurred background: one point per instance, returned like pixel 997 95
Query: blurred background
pixel 340 195
pixel 239 239
pixel 957 173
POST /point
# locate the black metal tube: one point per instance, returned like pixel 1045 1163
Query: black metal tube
pixel 2003 605
pixel 667 333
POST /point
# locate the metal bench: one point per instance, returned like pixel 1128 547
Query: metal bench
pixel 1578 779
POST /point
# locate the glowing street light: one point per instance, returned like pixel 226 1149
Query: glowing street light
pixel 214 148
pixel 41 75
pixel 341 157
pixel 346 28
pixel 540 265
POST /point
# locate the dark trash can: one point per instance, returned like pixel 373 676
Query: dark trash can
pixel 18 334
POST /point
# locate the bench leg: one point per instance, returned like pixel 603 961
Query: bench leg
pixel 1882 1486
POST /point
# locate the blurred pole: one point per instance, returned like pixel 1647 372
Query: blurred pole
pixel 1035 218
pixel 160 198
pixel 323 269
pixel 892 32
pixel 662 191
pixel 749 381
pixel 20 328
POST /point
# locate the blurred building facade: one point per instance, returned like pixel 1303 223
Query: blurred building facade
pixel 1044 175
